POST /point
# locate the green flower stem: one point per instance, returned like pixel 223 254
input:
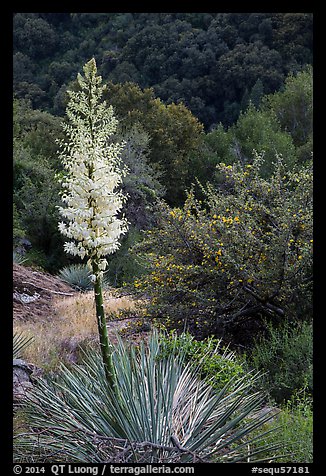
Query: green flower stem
pixel 106 346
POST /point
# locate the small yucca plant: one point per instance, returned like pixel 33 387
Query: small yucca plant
pixel 18 258
pixel 79 277
pixel 159 412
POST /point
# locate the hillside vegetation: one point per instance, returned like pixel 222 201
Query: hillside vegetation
pixel 175 151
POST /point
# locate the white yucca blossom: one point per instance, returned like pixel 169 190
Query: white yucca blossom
pixel 93 174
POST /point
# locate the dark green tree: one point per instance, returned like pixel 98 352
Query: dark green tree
pixel 184 57
pixel 34 36
pixel 173 131
pixel 35 191
pixel 257 93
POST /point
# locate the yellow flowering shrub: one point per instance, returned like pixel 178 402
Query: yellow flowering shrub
pixel 238 257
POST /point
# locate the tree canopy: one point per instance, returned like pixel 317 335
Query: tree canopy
pixel 205 60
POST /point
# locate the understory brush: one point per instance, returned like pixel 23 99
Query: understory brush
pixel 287 384
pixel 214 361
pixel 286 358
pixel 240 256
pixel 295 420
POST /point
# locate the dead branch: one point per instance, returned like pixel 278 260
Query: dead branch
pixel 48 290
pixel 122 450
pixel 136 447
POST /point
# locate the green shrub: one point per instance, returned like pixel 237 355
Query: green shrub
pixel 296 437
pixel 241 256
pixel 36 258
pixel 287 358
pixel 18 229
pixel 35 191
pixel 215 363
pixel 259 130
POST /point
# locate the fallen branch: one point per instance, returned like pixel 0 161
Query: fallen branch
pixel 48 290
pixel 135 447
pixel 122 450
pixel 182 449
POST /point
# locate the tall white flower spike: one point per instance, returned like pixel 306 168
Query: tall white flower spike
pixel 93 174
pixel 91 196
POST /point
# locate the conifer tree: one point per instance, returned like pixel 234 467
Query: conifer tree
pixel 93 201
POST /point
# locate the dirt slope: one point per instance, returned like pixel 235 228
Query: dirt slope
pixel 34 291
pixel 60 319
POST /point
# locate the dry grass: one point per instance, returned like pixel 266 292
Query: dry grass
pixel 73 322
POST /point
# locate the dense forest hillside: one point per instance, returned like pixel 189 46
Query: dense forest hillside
pixel 162 188
pixel 212 62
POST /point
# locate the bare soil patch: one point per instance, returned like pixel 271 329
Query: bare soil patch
pixel 34 293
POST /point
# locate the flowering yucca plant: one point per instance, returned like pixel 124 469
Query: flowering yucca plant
pixel 93 173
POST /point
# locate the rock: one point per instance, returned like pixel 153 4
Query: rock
pixel 70 346
pixel 23 376
pixel 25 298
pixel 25 243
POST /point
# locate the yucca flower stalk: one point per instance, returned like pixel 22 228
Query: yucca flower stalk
pixel 93 201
